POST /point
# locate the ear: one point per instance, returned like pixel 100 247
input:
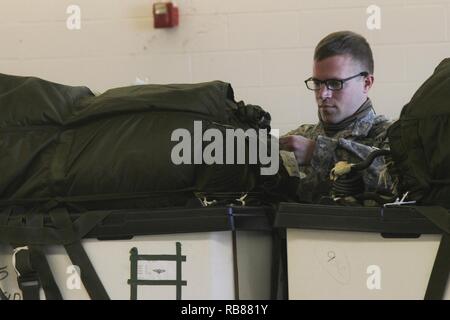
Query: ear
pixel 368 82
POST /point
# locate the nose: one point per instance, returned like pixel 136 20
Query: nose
pixel 323 91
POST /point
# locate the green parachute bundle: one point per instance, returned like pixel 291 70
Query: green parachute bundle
pixel 114 150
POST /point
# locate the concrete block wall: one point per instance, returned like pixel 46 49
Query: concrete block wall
pixel 262 47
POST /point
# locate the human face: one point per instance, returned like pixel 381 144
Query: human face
pixel 335 106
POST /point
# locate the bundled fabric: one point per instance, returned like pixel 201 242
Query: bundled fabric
pixel 419 141
pixel 115 150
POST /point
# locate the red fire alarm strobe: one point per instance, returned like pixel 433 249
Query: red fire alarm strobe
pixel 165 15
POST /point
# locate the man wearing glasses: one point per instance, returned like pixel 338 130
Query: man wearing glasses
pixel 348 128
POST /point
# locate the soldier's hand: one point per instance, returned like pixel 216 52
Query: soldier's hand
pixel 303 148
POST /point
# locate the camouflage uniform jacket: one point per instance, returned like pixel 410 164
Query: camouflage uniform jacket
pixel 352 144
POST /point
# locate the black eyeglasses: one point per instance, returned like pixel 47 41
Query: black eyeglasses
pixel 332 84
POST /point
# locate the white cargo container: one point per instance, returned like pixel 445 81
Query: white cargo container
pixel 203 258
pixel 357 253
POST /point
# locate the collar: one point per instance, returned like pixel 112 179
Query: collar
pixel 359 128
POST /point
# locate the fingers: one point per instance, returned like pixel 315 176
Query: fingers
pixel 286 143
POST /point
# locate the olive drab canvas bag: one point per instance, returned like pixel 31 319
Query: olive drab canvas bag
pixel 420 141
pixel 420 148
pixel 117 150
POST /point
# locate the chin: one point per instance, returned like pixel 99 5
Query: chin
pixel 328 118
pixel 330 121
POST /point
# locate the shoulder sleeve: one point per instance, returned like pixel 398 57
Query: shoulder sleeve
pixel 306 130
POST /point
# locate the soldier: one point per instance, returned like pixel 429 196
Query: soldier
pixel 348 128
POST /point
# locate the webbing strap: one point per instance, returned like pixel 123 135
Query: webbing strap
pixel 88 275
pixel 235 265
pixel 275 267
pixel 32 261
pixel 27 277
pixel 231 221
pixel 437 215
pixel 96 197
pixel 30 289
pixel 78 256
pixel 40 264
pixel 39 261
pixel 4 215
pixel 15 232
pixel 439 275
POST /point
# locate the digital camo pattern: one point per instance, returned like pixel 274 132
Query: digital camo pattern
pixel 352 144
